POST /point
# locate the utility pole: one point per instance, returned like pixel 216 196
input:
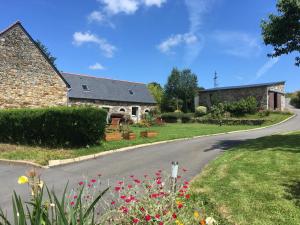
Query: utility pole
pixel 216 80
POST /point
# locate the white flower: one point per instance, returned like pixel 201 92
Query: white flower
pixel 52 204
pixel 210 221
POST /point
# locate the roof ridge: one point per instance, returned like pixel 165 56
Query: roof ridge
pixel 10 26
pixel 86 75
pixel 245 85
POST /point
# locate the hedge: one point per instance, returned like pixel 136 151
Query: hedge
pixel 231 121
pixel 171 117
pixel 53 127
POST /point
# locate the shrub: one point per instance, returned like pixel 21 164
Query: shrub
pixel 171 117
pixel 186 118
pixel 242 107
pixel 264 113
pixel 53 127
pixel 200 111
pixel 295 100
pixel 231 121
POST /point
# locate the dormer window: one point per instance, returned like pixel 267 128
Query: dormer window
pixel 131 91
pixel 85 87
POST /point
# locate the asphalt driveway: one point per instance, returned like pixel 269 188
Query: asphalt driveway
pixel 191 154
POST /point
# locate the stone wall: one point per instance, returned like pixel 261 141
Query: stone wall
pixel 261 93
pixel 114 107
pixel 232 95
pixel 26 77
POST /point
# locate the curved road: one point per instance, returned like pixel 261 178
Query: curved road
pixel 191 154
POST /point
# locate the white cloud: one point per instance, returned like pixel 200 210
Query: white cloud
pixel 175 40
pixel 97 66
pixel 120 6
pixel 266 67
pixel 80 38
pixel 157 3
pixel 96 16
pixel 238 44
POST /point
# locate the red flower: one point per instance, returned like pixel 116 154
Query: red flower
pixel 157 216
pixel 178 177
pixel 185 187
pixel 72 203
pixel 93 181
pixel 129 186
pixel 124 209
pixel 188 196
pixel 161 223
pixel 148 217
pixel 81 183
pixel 128 200
pixel 131 176
pixel 123 196
pixel 75 196
pixel 158 181
pixel 117 188
pixel 137 181
pixel 120 182
pixel 174 215
pixel 142 209
pixel 113 202
pixel 135 220
pixel 179 206
pixel 186 183
pixel 89 185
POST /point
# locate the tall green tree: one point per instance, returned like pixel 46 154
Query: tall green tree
pixel 156 91
pixel 283 31
pixel 46 52
pixel 181 88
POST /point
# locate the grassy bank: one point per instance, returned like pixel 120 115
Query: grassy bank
pixel 167 132
pixel 257 182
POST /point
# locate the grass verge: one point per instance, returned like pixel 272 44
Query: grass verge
pixel 168 132
pixel 257 182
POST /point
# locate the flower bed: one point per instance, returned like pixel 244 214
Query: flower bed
pixel 151 200
pixel 231 121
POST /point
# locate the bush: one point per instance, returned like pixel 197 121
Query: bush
pixel 172 117
pixel 53 127
pixel 200 111
pixel 295 100
pixel 187 118
pixel 264 113
pixel 242 107
pixel 231 121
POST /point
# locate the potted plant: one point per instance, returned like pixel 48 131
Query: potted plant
pixel 126 132
pixel 147 123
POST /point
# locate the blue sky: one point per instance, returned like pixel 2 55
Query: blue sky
pixel 142 40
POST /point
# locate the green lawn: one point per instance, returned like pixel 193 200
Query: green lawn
pixel 167 132
pixel 257 182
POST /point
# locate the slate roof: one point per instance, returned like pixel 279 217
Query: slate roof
pixel 107 89
pixel 243 86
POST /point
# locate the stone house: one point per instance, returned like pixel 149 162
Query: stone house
pixel 269 96
pixel 115 96
pixel 29 79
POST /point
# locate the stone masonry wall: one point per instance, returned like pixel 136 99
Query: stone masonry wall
pixel 26 77
pixel 114 107
pixel 231 95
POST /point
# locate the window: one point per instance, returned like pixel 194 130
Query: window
pixel 85 87
pixel 135 111
pixel 122 110
pixel 131 91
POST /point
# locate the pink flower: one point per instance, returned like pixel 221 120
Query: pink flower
pixel 137 181
pixel 93 181
pixel 117 188
pixel 81 183
pixel 72 203
pixel 129 186
pixel 128 200
pixel 113 202
pixel 120 182
pixel 123 196
pixel 148 217
pixel 135 220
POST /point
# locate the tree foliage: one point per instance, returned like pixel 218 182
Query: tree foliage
pixel 46 52
pixel 181 87
pixel 283 31
pixel 156 91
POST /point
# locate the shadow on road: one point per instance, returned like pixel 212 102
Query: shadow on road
pixel 286 143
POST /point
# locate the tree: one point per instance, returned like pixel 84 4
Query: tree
pixel 156 91
pixel 283 31
pixel 181 88
pixel 46 51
